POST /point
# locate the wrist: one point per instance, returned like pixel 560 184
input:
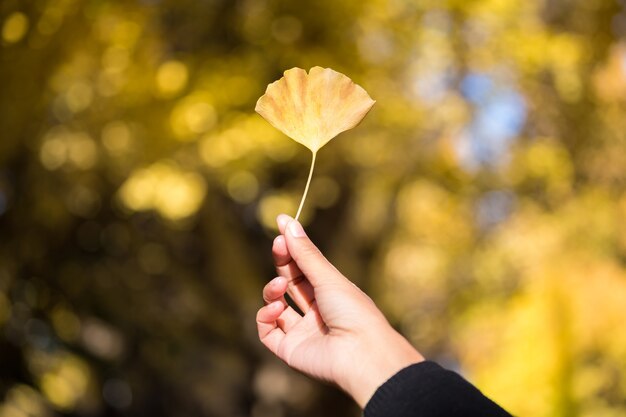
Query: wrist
pixel 380 358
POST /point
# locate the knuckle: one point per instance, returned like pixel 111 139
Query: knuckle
pixel 310 251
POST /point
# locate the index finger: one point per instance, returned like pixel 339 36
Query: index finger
pixel 299 288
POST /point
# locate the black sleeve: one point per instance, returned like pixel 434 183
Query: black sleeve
pixel 426 389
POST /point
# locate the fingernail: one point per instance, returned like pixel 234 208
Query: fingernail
pixel 276 281
pixel 295 229
pixel 282 220
pixel 279 240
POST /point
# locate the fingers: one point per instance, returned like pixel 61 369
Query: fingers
pixel 283 220
pixel 274 291
pixel 269 333
pixel 281 254
pixel 306 255
pixel 298 287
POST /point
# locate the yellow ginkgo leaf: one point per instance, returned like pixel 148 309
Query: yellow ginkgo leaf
pixel 313 108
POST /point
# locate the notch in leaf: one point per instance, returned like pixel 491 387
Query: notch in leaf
pixel 313 108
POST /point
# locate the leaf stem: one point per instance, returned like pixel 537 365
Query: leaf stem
pixel 306 189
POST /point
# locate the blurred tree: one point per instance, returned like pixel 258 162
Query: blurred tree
pixel 482 202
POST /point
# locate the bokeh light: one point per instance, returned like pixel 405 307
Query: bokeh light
pixel 14 27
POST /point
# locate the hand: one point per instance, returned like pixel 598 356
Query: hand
pixel 342 337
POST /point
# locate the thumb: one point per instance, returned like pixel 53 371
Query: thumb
pixel 308 257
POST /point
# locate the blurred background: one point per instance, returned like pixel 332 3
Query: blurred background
pixel 482 202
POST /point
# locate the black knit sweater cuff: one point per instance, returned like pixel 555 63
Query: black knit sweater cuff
pixel 426 389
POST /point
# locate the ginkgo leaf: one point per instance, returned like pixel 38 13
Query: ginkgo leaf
pixel 313 108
